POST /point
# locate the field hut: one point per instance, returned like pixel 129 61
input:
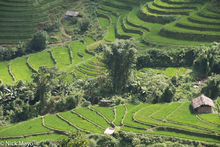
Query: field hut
pixel 109 131
pixel 104 102
pixel 203 104
pixel 71 14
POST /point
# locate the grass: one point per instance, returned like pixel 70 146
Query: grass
pixel 81 123
pixel 145 115
pixel 104 22
pixel 40 59
pixel 165 111
pixel 174 6
pixel 106 111
pixel 172 27
pixel 93 116
pixel 20 69
pixel 120 112
pixel 61 55
pixel 24 128
pixel 184 116
pixel 170 72
pixel 88 41
pixel 53 121
pixel 182 71
pixel 77 47
pixel 201 27
pixel 111 31
pixel 213 118
pixel 4 74
pixel 171 134
pixel 39 138
pixel 130 112
pixel 153 37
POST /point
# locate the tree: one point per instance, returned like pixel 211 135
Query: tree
pixel 44 79
pixel 39 41
pixel 212 87
pixel 119 58
pixel 208 60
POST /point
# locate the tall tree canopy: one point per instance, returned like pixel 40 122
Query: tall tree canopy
pixel 119 58
pixel 208 60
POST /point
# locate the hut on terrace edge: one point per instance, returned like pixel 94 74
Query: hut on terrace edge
pixel 71 14
pixel 203 104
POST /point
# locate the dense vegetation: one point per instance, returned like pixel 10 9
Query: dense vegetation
pixel 150 58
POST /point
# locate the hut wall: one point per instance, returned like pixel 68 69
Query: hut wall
pixel 204 109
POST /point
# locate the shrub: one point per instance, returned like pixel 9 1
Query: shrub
pixel 38 42
pixel 212 87
pixel 207 60
pixel 166 58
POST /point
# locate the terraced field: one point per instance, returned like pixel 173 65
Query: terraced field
pixel 70 59
pixel 160 22
pixel 19 20
pixel 167 119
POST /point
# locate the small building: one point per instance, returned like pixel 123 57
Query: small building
pixel 109 131
pixel 71 14
pixel 203 104
pixel 105 102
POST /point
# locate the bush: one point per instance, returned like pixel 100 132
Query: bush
pixel 52 27
pixel 166 58
pixel 207 60
pixel 38 42
pixel 212 87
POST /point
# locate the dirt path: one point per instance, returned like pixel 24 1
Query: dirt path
pixel 62 16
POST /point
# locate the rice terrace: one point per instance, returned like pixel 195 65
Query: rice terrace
pixel 114 73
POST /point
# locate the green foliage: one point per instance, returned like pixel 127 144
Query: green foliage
pixel 166 58
pixel 208 58
pixel 52 27
pixel 212 87
pixel 38 42
pixel 84 24
pixel 119 58
pixel 74 140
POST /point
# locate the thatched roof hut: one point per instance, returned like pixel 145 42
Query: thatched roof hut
pixel 109 131
pixel 72 13
pixel 203 104
pixel 105 102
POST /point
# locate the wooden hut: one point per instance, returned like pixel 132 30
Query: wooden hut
pixel 203 104
pixel 71 14
pixel 104 102
pixel 109 131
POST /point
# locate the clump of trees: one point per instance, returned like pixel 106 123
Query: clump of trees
pixel 38 42
pixel 119 58
pixel 207 60
pixel 50 92
pixel 212 87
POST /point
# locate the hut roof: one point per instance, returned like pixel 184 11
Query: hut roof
pixel 72 13
pixel 106 101
pixel 109 131
pixel 202 100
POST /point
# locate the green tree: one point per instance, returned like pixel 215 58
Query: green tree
pixel 39 41
pixel 45 80
pixel 212 87
pixel 208 60
pixel 74 140
pixel 119 58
